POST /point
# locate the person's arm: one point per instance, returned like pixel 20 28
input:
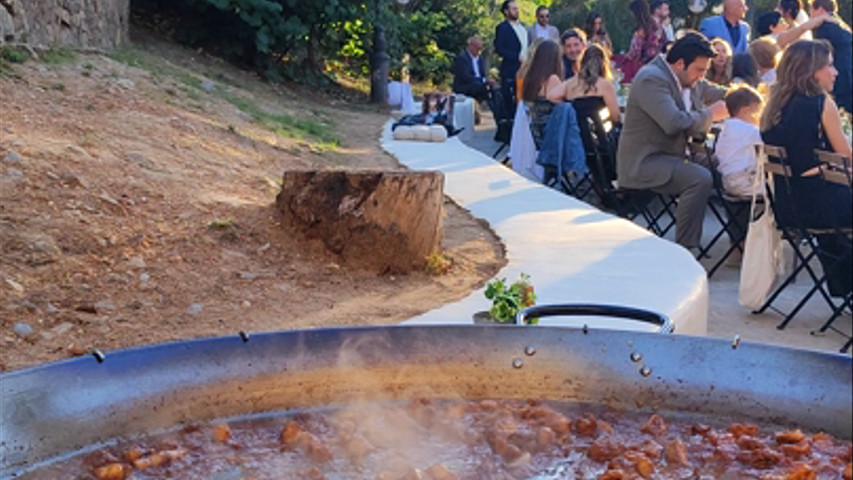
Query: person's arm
pixel 558 93
pixel 710 91
pixel 463 74
pixel 552 83
pixel 831 121
pixel 608 93
pixel 503 44
pixel 653 96
pixel 783 39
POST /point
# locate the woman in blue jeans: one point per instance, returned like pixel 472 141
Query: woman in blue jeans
pixel 801 116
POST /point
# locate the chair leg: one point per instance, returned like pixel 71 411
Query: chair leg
pixel 499 150
pixel 781 287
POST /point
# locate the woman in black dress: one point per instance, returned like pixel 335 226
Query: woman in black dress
pixel 801 116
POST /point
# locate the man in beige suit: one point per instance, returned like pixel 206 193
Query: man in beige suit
pixel 669 102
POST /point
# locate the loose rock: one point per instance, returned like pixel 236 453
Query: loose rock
pixel 13 158
pixel 136 262
pixel 14 285
pixel 24 330
pixel 125 83
pixel 195 309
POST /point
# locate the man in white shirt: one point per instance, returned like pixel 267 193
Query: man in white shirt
pixel 542 28
pixel 470 76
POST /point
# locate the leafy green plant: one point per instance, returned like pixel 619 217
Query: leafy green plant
pixel 58 55
pixel 509 299
pixel 222 223
pixel 14 55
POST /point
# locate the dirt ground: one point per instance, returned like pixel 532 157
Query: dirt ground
pixel 136 206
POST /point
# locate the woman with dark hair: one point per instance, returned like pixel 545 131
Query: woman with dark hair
pixel 592 80
pixel 544 72
pixel 720 70
pixel 595 32
pixel 646 42
pixel 771 25
pixel 794 14
pixel 745 70
pixel 801 116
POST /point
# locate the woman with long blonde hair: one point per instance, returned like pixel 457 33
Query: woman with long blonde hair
pixel 594 79
pixel 801 116
pixel 720 70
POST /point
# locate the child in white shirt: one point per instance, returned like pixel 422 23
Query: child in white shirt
pixel 736 143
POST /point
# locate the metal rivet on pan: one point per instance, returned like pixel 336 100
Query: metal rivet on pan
pixel 517 363
pixel 636 357
pixel 735 342
pixel 244 336
pixel 530 350
pixel 645 371
pixel 585 329
pixel 99 355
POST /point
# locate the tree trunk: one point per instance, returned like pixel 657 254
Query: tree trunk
pixel 387 221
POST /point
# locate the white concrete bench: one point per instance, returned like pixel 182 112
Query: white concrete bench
pixel 573 252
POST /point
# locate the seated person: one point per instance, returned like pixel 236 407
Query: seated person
pixel 592 80
pixel 470 76
pixel 737 141
pixel 745 70
pixel 669 102
pixel 765 53
pixel 573 43
pixel 544 72
pixel 802 116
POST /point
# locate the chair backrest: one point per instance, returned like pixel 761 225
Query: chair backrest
pixel 837 167
pixel 596 130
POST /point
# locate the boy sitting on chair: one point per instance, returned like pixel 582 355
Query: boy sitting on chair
pixel 736 143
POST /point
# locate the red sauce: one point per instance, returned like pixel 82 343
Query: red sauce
pixel 466 440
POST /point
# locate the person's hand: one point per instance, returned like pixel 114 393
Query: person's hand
pixel 718 111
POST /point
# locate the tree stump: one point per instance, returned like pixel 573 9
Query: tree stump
pixel 388 221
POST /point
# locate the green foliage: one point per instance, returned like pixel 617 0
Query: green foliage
pixel 509 299
pixel 13 55
pixel 58 55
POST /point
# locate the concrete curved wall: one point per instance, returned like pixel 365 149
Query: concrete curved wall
pixel 81 24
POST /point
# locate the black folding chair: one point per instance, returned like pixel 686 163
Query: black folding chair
pixel 504 119
pixel 600 140
pixel 731 212
pixel 837 169
pixel 803 241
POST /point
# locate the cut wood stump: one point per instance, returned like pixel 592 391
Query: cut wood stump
pixel 388 221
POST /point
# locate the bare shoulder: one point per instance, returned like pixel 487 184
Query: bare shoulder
pixel 604 85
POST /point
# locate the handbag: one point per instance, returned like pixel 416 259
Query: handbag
pixel 762 250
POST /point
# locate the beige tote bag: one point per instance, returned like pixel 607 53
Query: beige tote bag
pixel 762 250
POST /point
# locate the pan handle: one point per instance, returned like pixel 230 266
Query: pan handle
pixel 574 310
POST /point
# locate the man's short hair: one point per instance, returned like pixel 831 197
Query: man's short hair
pixel 690 46
pixel 764 52
pixel 741 96
pixel 540 8
pixel 656 4
pixel 505 6
pixel 767 21
pixel 573 32
pixel 829 5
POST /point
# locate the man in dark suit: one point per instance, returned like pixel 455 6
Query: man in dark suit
pixel 470 76
pixel 511 40
pixel 669 102
pixel 838 34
